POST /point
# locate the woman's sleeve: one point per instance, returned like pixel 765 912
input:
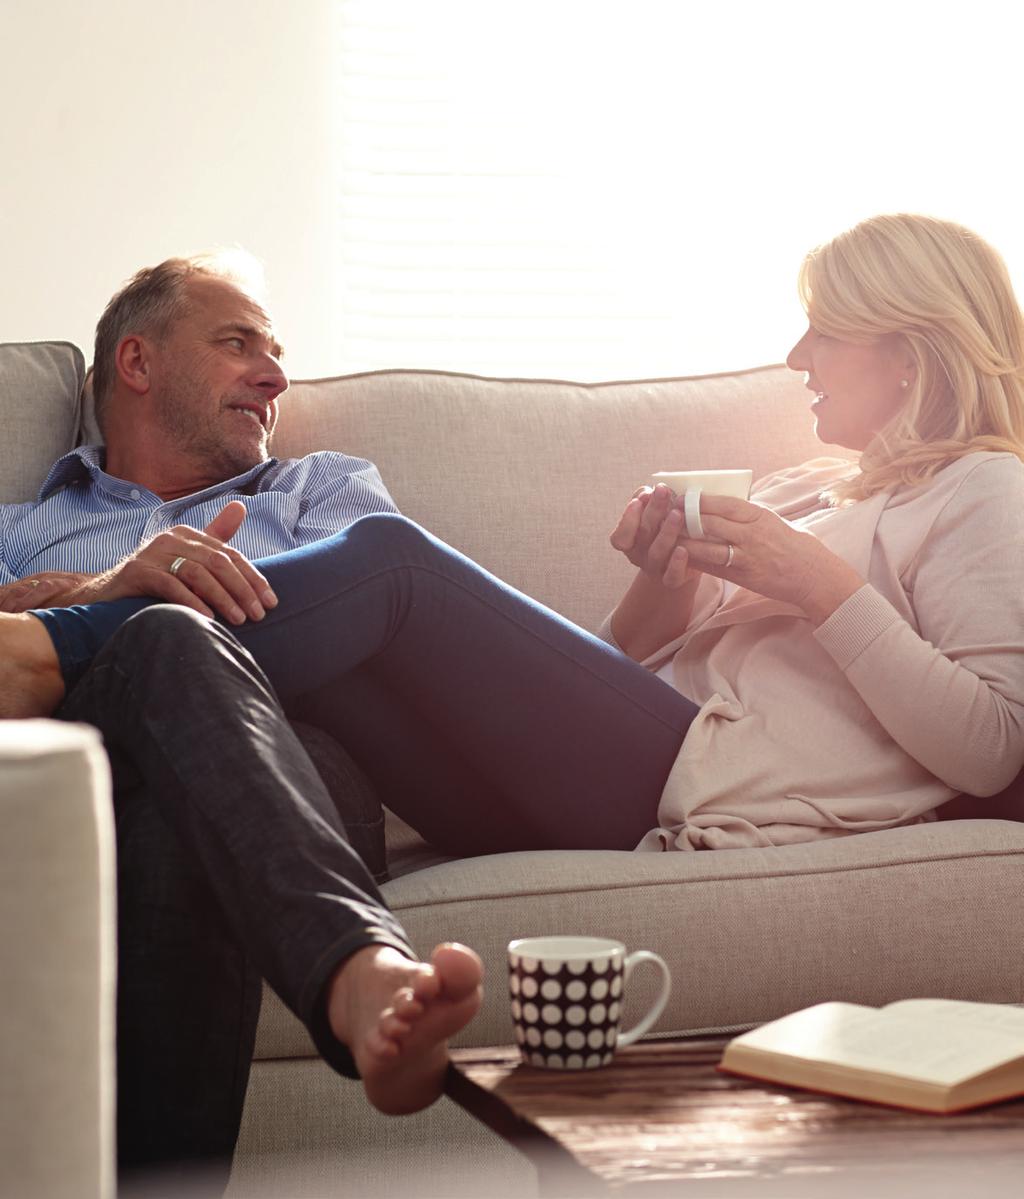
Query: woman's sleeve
pixel 950 692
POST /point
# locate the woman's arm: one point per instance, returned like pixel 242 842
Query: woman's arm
pixel 951 692
pixel 948 688
pixel 651 615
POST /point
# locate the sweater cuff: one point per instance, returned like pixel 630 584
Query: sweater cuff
pixel 605 633
pixel 855 624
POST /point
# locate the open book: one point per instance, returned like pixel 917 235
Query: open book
pixel 936 1055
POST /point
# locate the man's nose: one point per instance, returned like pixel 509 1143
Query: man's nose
pixel 269 378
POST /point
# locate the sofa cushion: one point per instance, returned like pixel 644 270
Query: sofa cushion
pixel 529 476
pixel 40 389
pixel 748 934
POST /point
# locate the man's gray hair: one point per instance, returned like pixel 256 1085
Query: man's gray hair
pixel 152 301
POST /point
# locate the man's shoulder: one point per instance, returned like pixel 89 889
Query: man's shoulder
pixel 316 467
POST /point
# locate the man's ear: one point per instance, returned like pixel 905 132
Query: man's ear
pixel 132 359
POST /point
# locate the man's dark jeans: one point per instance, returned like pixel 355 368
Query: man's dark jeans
pixel 232 866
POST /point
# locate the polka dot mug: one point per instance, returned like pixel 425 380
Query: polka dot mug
pixel 567 995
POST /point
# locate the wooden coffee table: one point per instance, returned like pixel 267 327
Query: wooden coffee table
pixel 661 1115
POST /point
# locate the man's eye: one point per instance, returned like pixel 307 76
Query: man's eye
pixel 237 342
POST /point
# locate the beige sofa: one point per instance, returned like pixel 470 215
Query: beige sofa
pixel 527 477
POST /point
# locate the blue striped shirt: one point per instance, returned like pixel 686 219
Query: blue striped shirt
pixel 86 520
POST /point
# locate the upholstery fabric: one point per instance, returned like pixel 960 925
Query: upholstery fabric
pixel 747 933
pixel 529 477
pixel 59 960
pixel 40 388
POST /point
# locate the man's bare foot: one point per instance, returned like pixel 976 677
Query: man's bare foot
pixel 30 678
pixel 396 1016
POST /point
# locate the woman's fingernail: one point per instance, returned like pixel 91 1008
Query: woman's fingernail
pixel 269 598
pixel 256 611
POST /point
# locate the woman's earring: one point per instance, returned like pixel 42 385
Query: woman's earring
pixel 904 384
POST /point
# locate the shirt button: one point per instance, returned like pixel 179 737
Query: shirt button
pixel 136 493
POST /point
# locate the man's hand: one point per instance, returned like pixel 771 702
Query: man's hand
pixel 46 589
pixel 212 579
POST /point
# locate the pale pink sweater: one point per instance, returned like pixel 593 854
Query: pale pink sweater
pixel 910 693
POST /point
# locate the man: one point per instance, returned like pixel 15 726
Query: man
pixel 187 379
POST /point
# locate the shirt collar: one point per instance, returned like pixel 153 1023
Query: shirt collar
pixel 87 462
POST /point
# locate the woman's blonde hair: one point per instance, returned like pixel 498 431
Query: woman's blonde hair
pixel 948 295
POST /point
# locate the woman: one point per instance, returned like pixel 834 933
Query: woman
pixel 836 664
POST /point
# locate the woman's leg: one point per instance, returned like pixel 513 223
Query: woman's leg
pixel 486 720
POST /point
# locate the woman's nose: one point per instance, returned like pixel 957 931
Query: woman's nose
pixel 797 359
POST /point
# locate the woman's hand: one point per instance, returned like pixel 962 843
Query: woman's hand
pixel 648 534
pixel 770 557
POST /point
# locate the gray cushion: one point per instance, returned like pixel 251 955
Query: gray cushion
pixel 748 934
pixel 40 392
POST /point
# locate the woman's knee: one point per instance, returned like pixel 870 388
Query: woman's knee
pixel 391 536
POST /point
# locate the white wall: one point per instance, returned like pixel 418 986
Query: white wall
pixel 137 129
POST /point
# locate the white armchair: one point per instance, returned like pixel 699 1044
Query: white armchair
pixel 58 960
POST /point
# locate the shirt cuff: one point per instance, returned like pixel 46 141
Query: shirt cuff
pixel 855 624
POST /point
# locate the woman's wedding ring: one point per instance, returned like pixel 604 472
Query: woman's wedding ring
pixel 732 554
pixel 178 563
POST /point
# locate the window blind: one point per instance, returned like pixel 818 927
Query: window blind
pixel 606 190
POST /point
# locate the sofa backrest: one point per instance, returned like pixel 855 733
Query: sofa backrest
pixel 528 477
pixel 40 412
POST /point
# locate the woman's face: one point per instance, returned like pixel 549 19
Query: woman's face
pixel 858 387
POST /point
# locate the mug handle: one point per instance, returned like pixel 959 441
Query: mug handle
pixel 638 1030
pixel 691 513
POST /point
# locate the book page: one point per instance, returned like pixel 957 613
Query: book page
pixel 942 1052
pixel 962 1013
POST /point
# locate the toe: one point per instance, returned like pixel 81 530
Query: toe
pixel 406 1005
pixel 459 969
pixel 393 1026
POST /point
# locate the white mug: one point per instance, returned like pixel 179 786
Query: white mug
pixel 691 483
pixel 566 995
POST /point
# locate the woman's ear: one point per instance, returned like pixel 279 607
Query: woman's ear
pixel 905 363
pixel 132 361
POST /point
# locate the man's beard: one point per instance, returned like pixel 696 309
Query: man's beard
pixel 197 429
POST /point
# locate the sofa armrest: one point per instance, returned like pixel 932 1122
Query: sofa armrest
pixel 57 946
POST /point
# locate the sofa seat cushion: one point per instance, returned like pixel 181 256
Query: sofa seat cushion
pixel 748 934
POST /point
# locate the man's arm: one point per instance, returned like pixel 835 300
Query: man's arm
pixel 213 578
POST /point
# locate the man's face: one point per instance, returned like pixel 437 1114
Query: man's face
pixel 216 379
